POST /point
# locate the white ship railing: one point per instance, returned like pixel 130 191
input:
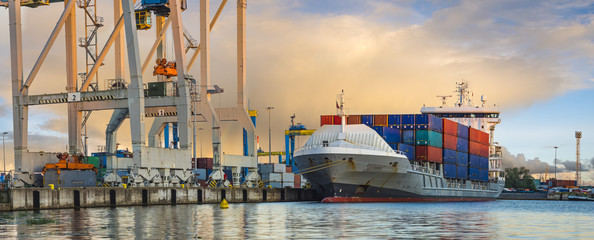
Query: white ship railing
pixel 424 169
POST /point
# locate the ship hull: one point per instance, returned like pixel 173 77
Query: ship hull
pixel 341 175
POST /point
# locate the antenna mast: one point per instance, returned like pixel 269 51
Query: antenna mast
pixel 340 110
pixel 463 94
pixel 443 100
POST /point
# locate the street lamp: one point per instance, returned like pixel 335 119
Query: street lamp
pixel 4 151
pixel 269 136
pixel 200 129
pixel 556 165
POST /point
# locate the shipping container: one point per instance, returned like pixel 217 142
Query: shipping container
pixel 484 138
pixel 408 121
pixel 408 136
pixel 473 174
pixel 428 137
pixel 279 167
pixel 297 181
pixel 450 127
pixel 474 148
pixel 450 142
pixel 484 163
pixel 449 170
pixel 462 131
pixel 200 174
pixel 409 150
pixel 474 161
pixel 484 152
pixel 337 120
pixel 428 154
pixel 354 119
pixel 483 175
pixel 204 163
pixel 367 120
pixel 289 169
pixel 390 135
pixel 380 120
pixel 462 145
pixel 461 172
pixel 474 134
pixel 462 159
pixel 326 120
pixel 449 156
pixel 430 122
pixel 394 120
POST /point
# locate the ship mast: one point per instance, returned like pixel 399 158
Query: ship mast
pixel 340 110
pixel 463 94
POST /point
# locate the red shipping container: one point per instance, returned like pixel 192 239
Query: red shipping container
pixel 474 135
pixel 429 154
pixel 450 127
pixel 484 138
pixel 326 119
pixel 450 142
pixel 380 120
pixel 289 169
pixel 474 148
pixel 337 120
pixel 297 181
pixel 354 119
pixel 484 151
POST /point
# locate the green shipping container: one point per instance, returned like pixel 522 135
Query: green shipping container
pixel 94 160
pixel 428 137
pixel 157 89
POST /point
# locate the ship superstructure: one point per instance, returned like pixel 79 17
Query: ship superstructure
pixel 482 117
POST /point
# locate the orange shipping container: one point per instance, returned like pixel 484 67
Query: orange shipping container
pixel 474 148
pixel 450 127
pixel 484 138
pixel 297 180
pixel 354 119
pixel 450 142
pixel 484 151
pixel 474 135
pixel 326 119
pixel 289 169
pixel 380 120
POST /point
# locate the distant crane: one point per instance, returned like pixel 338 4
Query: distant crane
pixel 578 137
pixel 294 130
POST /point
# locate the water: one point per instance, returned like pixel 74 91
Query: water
pixel 312 220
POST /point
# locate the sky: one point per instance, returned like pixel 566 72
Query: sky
pixel 530 58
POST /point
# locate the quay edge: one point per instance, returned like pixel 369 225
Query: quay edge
pixel 46 198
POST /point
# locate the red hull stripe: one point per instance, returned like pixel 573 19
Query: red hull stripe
pixel 366 199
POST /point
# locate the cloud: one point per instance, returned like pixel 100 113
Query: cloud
pixel 571 166
pixel 535 165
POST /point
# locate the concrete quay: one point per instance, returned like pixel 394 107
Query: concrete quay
pixel 46 198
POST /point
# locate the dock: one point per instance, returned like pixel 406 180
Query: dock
pixel 46 198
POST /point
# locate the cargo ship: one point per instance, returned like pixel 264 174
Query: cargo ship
pixel 443 154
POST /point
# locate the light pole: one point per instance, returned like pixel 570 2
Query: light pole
pixel 269 136
pixel 4 151
pixel 200 129
pixel 556 165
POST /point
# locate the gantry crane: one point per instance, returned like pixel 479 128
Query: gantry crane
pixel 294 130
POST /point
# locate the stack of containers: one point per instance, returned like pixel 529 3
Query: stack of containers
pixel 276 175
pixel 478 158
pixel 326 120
pixel 457 160
pixel 392 136
pixel 428 138
pixel 203 168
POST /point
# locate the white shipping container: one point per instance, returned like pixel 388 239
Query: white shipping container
pixel 280 168
pixel 272 177
pixel 275 184
pixel 288 177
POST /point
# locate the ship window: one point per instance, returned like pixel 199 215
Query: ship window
pixel 324 143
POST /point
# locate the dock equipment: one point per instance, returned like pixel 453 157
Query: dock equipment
pixel 164 68
pixel 294 130
pixel 143 19
pixel 68 162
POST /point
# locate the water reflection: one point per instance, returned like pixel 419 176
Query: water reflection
pixel 500 219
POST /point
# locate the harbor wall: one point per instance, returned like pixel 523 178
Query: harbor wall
pixel 46 198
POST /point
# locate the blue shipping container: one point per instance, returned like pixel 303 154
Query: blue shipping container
pixel 462 145
pixel 461 172
pixel 462 158
pixel 484 163
pixel 449 170
pixel 474 161
pixel 409 150
pixel 483 175
pixel 394 120
pixel 408 119
pixel 425 121
pixel 473 173
pixel 408 136
pixel 201 173
pixel 390 135
pixel 462 131
pixel 449 156
pixel 367 120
